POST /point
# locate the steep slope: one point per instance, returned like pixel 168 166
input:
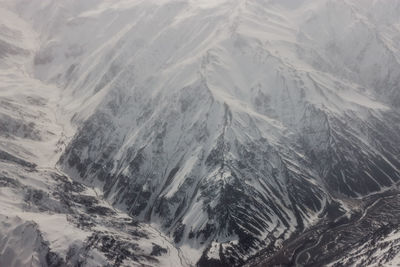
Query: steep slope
pixel 46 218
pixel 228 125
pixel 369 237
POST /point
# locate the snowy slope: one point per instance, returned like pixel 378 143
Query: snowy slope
pixel 46 218
pixel 228 126
pixel 381 249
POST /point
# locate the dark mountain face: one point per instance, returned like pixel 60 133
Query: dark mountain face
pixel 247 132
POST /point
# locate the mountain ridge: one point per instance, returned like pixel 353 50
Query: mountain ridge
pixel 230 126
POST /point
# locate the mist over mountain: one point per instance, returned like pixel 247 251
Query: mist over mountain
pixel 199 132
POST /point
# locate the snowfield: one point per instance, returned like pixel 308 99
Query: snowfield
pixel 198 132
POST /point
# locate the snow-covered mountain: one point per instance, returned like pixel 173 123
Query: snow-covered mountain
pixel 230 131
